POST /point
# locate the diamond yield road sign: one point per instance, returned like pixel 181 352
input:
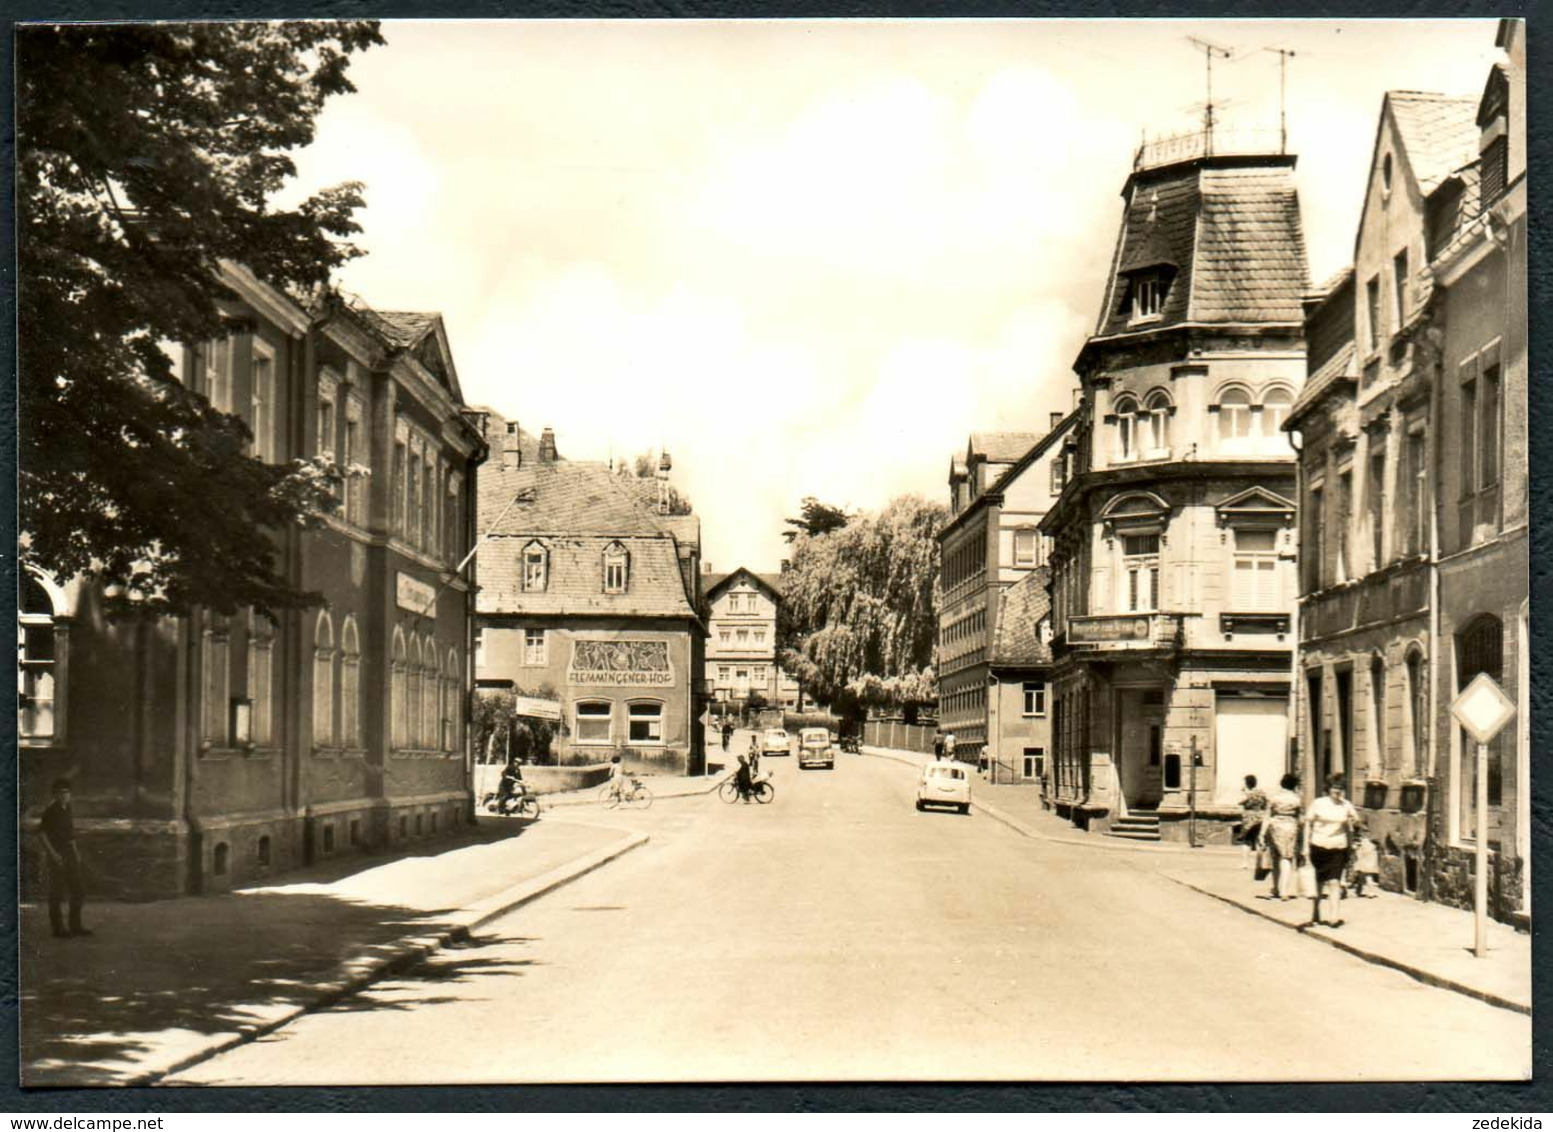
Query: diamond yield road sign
pixel 1483 708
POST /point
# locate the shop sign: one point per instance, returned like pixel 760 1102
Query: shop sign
pixel 533 708
pixel 625 664
pixel 413 594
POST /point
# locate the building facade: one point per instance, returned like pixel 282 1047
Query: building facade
pixel 741 657
pixel 1414 568
pixel 1019 683
pixel 212 750
pixel 588 597
pixel 998 494
pixel 1173 541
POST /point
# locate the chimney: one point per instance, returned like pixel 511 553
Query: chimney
pixel 1056 420
pixel 706 567
pixel 547 452
pixel 786 565
pixel 511 454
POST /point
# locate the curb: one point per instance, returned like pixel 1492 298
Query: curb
pixel 361 972
pixel 1375 957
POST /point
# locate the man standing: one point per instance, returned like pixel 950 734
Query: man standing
pixel 949 744
pixel 58 837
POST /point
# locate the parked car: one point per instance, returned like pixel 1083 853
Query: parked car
pixel 774 741
pixel 944 784
pixel 815 749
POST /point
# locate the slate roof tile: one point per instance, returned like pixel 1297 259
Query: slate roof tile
pixel 1002 447
pixel 1439 133
pixel 1021 607
pixel 400 328
pixel 575 584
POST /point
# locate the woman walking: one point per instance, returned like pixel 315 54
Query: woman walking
pixel 1253 809
pixel 1281 833
pixel 1328 829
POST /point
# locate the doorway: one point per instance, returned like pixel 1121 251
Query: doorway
pixel 1344 758
pixel 1140 735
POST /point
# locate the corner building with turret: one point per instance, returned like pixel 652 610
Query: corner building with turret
pixel 1174 537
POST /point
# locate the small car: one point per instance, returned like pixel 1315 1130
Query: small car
pixel 774 741
pixel 814 748
pixel 944 784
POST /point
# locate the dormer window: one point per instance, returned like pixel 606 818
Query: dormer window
pixel 1147 291
pixel 536 567
pixel 617 571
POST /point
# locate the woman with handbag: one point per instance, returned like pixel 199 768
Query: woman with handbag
pixel 1253 809
pixel 1281 835
pixel 1328 830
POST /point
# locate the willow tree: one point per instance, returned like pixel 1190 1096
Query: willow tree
pixel 858 615
pixel 146 156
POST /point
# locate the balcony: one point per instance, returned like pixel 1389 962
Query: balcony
pixel 1124 632
pixel 1251 623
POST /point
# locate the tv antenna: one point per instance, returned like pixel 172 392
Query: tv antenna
pixel 1284 55
pixel 1209 50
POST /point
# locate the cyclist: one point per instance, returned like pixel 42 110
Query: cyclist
pixel 617 777
pixel 511 788
pixel 745 777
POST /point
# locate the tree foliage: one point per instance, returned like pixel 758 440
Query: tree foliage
pixel 146 155
pixel 646 468
pixel 858 616
pixel 499 730
pixel 815 518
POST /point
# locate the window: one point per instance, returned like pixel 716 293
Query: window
pixel 350 686
pixel 431 696
pixel 724 673
pixel 1418 706
pixel 1025 547
pixel 1148 294
pixel 744 638
pixel 1155 423
pixel 399 487
pixel 1256 571
pixel 592 722
pixel 1275 410
pixel 1141 570
pixel 399 676
pixel 355 455
pixel 645 723
pixel 1479 648
pixel 760 636
pixel 1126 428
pixel 1488 427
pixel 452 519
pixel 1315 539
pixel 1234 415
pixel 39 664
pixel 412 530
pixel 1034 763
pixel 1034 697
pixel 1399 281
pixel 261 679
pixel 536 560
pixel 1377 715
pixel 1372 308
pixel 723 636
pixel 1342 520
pixel 218 373
pixel 1418 512
pixel 479 646
pixel 1058 478
pixel 412 695
pixel 323 681
pixel 534 650
pixel 1377 493
pixel 262 402
pixel 616 568
pixel 325 422
pixel 1385 174
pixel 216 682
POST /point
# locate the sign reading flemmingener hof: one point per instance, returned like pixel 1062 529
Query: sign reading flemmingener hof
pixel 631 664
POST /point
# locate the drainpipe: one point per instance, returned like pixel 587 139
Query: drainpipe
pixel 1295 680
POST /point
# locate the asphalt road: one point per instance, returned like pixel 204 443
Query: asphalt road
pixel 839 934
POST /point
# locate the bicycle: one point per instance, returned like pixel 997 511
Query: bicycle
pixel 614 794
pixel 762 791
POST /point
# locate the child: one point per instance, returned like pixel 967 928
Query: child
pixel 1366 862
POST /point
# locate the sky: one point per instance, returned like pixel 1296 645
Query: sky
pixel 809 257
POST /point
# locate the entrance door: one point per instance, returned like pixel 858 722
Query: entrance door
pixel 1249 736
pixel 1140 745
pixel 1344 732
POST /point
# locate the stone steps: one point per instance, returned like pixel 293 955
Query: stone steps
pixel 1136 827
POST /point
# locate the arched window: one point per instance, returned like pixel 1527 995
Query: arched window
pixel 1378 715
pixel 1126 428
pixel 1479 649
pixel 617 568
pixel 399 691
pixel 431 689
pixel 1418 708
pixel 452 701
pixel 1275 410
pixel 261 678
pixel 1234 414
pixel 350 686
pixel 40 664
pixel 412 735
pixel 216 675
pixel 323 681
pixel 536 567
pixel 1156 421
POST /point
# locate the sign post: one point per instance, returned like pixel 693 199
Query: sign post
pixel 1482 709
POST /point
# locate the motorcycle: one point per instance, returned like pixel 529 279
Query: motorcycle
pixel 521 804
pixel 849 745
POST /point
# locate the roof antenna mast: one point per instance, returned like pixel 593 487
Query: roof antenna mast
pixel 1209 50
pixel 1284 55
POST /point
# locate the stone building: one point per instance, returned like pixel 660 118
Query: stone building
pixel 1019 682
pixel 741 612
pixel 1413 560
pixel 998 494
pixel 1173 540
pixel 588 597
pixel 208 750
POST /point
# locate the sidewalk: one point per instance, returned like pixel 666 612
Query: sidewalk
pixel 661 785
pixel 163 985
pixel 1431 942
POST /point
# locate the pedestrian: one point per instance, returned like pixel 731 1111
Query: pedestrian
pixel 1253 809
pixel 1329 826
pixel 949 744
pixel 1366 862
pixel 754 756
pixel 1281 834
pixel 727 733
pixel 57 833
pixel 938 744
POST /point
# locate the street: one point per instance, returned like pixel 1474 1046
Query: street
pixel 839 934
